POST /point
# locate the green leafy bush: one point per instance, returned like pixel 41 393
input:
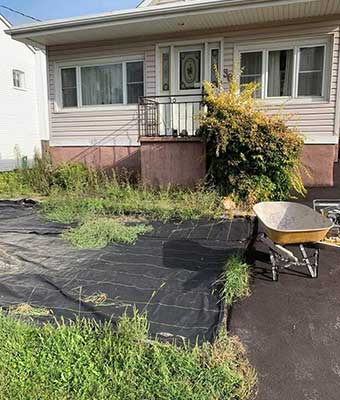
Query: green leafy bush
pixel 252 156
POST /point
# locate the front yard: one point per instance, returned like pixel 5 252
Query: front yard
pixel 144 277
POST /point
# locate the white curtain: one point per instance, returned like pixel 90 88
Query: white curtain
pixel 102 84
pixel 274 80
pixel 280 73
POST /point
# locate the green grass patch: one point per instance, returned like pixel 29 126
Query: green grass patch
pixel 235 280
pixel 126 199
pixel 84 360
pixel 98 233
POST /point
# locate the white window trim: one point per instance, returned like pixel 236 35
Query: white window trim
pixel 58 104
pixel 206 43
pixel 23 79
pixel 266 47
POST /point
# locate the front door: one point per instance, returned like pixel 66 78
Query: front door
pixel 188 78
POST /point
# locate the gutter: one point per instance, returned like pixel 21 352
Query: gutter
pixel 142 14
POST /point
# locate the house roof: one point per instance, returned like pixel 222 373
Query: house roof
pixel 5 21
pixel 175 17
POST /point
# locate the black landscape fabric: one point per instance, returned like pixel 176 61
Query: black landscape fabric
pixel 169 273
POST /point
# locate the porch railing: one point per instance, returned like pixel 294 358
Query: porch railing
pixel 176 116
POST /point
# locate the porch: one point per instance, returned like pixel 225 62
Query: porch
pixel 172 153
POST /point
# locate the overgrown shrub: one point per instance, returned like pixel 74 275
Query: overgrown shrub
pixel 252 156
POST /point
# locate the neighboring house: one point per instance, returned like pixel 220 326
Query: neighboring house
pixel 160 52
pixel 23 99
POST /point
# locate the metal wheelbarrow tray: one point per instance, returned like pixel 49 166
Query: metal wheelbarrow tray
pixel 286 223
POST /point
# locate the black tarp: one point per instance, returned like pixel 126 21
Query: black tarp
pixel 169 273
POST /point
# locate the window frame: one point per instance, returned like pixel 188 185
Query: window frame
pixel 94 63
pixel 267 47
pixel 22 80
pixel 206 44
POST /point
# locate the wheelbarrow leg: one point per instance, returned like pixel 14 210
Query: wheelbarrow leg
pixel 313 269
pixel 275 269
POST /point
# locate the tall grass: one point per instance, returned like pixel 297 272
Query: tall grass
pixel 75 192
pixel 85 360
pixel 235 280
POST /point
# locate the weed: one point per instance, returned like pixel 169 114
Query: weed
pixel 235 280
pixel 98 233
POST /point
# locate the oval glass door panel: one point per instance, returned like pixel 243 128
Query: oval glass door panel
pixel 190 70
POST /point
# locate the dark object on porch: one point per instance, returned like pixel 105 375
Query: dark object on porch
pixel 169 273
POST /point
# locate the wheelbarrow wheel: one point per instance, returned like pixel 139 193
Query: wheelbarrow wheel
pixel 275 271
pixel 275 274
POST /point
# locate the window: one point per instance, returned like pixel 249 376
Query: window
pixel 190 69
pixel 280 73
pixel 214 64
pixel 135 81
pixel 69 87
pixel 99 85
pixel 18 79
pixel 102 85
pixel 165 69
pixel 311 71
pixel 295 72
pixel 251 65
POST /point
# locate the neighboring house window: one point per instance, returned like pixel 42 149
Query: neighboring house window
pixel 18 79
pixel 287 72
pixel 98 85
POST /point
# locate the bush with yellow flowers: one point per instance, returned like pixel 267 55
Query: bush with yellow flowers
pixel 252 156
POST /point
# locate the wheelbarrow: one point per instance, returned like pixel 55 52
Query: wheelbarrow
pixel 285 223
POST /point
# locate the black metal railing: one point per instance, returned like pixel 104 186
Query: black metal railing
pixel 176 116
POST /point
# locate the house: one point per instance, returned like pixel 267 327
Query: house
pixel 125 86
pixel 23 100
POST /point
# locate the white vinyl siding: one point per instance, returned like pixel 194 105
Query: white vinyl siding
pixel 23 100
pixel 315 118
